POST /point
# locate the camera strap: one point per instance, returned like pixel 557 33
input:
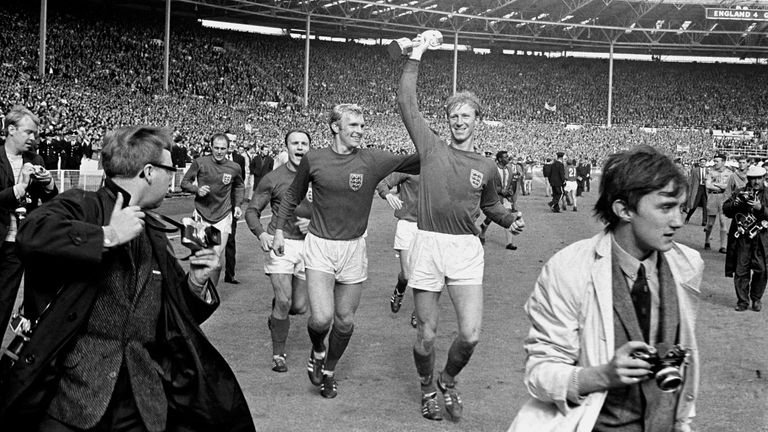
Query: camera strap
pixel 160 222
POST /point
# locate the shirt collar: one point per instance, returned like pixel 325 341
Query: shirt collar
pixel 629 264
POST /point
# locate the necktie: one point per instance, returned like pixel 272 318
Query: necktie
pixel 641 298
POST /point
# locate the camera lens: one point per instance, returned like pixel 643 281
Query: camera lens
pixel 669 379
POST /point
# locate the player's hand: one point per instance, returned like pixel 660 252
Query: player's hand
pixel 238 212
pixel 126 223
pixel 278 243
pixel 201 264
pixel 756 204
pixel 302 224
pixel 420 45
pixel 394 201
pixel 203 190
pixel 266 241
pixel 623 369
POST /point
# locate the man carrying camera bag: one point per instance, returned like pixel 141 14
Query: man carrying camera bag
pixel 23 183
pixel 599 335
pixel 116 342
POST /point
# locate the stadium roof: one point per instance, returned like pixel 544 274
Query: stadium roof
pixel 657 27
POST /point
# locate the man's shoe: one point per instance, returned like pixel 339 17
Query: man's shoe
pixel 511 247
pixel 741 308
pixel 232 281
pixel 414 323
pixel 328 388
pixel 315 369
pixel 757 306
pixel 430 409
pixel 452 400
pixel 396 301
pixel 707 246
pixel 278 363
pixel 575 209
pixel 722 250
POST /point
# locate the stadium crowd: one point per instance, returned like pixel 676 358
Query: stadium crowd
pixel 105 70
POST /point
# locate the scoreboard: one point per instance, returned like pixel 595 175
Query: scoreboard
pixel 737 14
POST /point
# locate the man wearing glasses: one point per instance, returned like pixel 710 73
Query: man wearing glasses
pixel 219 191
pixel 119 317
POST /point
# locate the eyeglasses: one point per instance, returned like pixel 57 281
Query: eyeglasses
pixel 165 167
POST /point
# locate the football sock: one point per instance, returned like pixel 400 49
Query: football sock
pixel 318 340
pixel 425 364
pixel 458 356
pixel 280 329
pixel 402 284
pixel 337 344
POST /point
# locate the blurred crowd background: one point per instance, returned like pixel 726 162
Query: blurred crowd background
pixel 104 69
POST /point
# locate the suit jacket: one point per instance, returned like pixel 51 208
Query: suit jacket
pixel 504 190
pixel 240 160
pixel 260 166
pixel 61 247
pixel 8 201
pixel 573 316
pixel 694 180
pixel 557 174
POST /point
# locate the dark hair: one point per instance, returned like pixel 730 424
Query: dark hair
pixel 500 154
pixel 309 138
pixel 632 174
pixel 126 150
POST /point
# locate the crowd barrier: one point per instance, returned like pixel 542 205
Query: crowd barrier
pixel 92 180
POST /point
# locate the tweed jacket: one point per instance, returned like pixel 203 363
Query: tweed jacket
pixel 572 326
pixel 61 246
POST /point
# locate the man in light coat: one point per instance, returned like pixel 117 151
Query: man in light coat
pixel 635 290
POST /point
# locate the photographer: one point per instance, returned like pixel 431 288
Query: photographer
pixel 747 240
pixel 118 344
pixel 23 184
pixel 590 329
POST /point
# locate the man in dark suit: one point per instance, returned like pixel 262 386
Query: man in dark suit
pixel 261 165
pixel 583 173
pixel 505 185
pixel 697 190
pixel 118 315
pixel 22 187
pixel 230 251
pixel 556 181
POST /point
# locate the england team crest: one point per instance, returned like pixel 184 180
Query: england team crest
pixel 355 181
pixel 226 178
pixel 475 178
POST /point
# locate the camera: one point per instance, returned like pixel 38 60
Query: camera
pixel 666 369
pixel 749 225
pixel 21 207
pixel 746 195
pixel 21 328
pixel 197 235
pixel 39 171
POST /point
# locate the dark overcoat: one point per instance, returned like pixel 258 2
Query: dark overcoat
pixel 61 245
pixel 732 207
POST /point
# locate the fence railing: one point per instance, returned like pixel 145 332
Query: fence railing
pixel 92 180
